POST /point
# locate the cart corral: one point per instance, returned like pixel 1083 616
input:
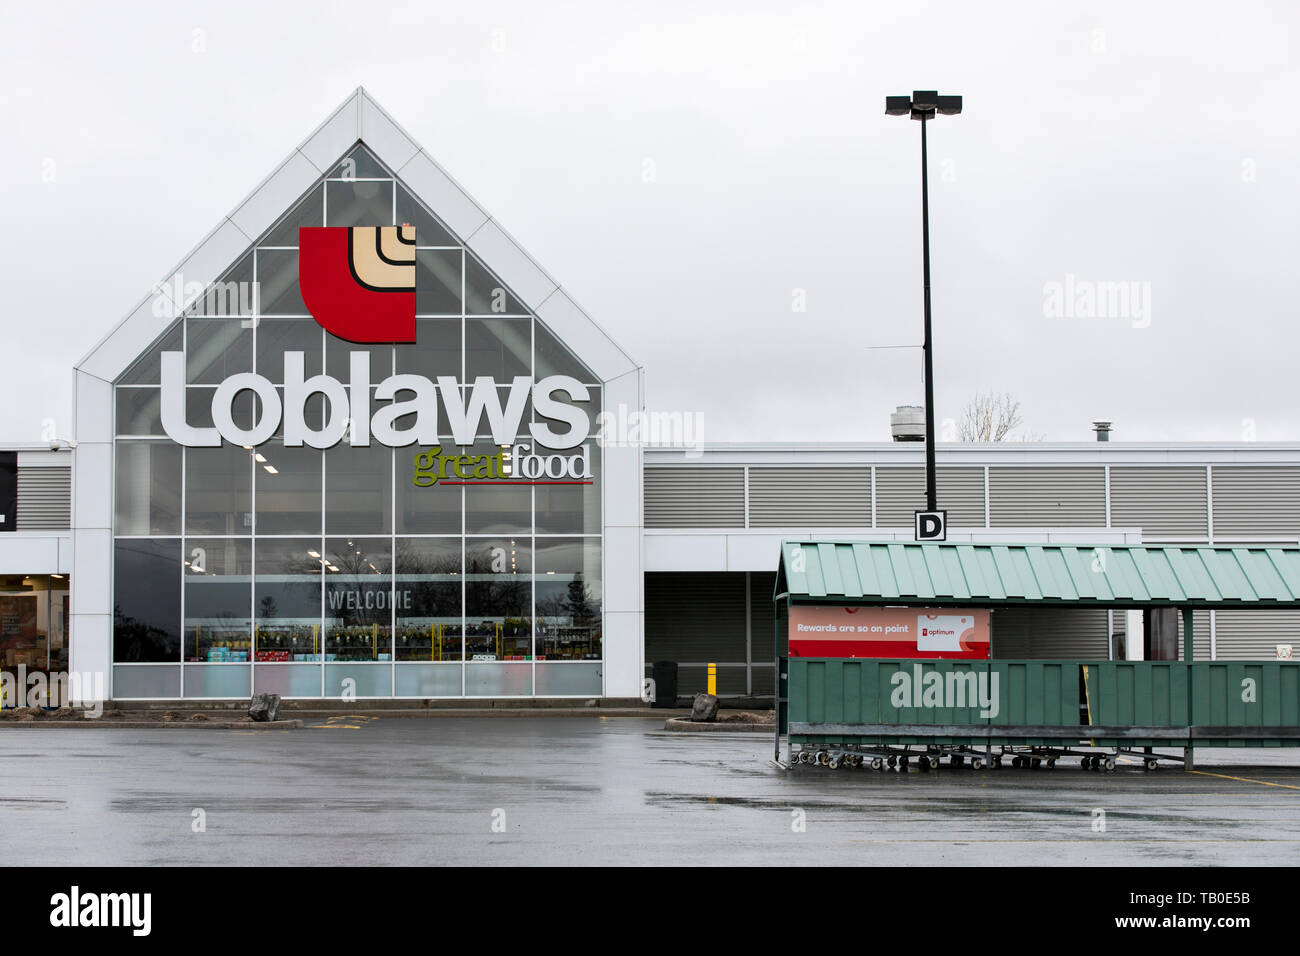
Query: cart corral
pixel 962 705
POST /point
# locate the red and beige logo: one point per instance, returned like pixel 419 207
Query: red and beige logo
pixel 358 282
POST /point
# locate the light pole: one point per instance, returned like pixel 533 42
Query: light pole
pixel 923 105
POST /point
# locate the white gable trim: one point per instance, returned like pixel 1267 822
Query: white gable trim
pixel 360 117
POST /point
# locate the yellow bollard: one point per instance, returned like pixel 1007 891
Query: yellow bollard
pixel 713 679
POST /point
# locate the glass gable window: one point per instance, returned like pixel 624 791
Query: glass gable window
pixel 568 599
pixel 310 572
pixel 358 599
pixel 148 487
pixel 498 598
pixel 147 600
pixel 287 599
pixel 218 599
pixel 428 599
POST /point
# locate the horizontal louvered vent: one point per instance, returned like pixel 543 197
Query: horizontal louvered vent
pixel 900 493
pixel 1047 497
pixel 44 499
pixel 820 497
pixel 1256 502
pixel 695 497
pixel 1163 502
pixel 1254 635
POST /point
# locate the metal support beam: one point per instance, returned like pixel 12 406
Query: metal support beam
pixel 1189 759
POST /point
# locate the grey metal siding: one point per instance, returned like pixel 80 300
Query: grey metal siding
pixel 1165 503
pixel 820 497
pixel 900 492
pixel 1254 635
pixel 1063 497
pixel 1253 502
pixel 44 499
pixel 1050 633
pixel 696 617
pixel 694 497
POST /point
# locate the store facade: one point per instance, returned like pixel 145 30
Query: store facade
pixel 350 449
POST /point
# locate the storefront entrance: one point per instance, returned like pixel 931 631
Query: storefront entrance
pixel 33 637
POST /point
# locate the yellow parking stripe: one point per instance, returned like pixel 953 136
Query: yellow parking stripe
pixel 1262 783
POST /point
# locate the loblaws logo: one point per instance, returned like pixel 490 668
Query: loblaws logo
pixel 359 282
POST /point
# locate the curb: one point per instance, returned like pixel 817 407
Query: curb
pixel 114 723
pixel 475 712
pixel 684 725
pixel 484 712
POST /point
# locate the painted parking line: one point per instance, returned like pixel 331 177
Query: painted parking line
pixel 341 722
pixel 1262 783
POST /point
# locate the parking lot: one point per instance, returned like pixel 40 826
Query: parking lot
pixel 532 790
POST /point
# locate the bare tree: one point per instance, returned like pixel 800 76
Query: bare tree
pixel 989 417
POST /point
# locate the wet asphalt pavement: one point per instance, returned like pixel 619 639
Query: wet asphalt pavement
pixel 590 790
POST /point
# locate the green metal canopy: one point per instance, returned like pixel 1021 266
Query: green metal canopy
pixel 864 572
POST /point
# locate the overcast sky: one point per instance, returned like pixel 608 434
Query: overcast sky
pixel 1151 143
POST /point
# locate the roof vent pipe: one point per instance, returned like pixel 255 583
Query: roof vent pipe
pixel 1102 429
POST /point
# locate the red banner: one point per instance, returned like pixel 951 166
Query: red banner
pixel 889 633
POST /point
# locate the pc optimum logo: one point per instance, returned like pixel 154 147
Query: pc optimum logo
pixel 359 285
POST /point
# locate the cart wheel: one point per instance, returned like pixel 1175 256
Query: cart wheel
pixel 902 763
pixel 877 763
pixel 893 761
pixel 997 761
pixel 834 762
pixel 1110 763
pixel 1051 762
pixel 1015 761
pixel 977 763
pixel 1085 763
pixel 934 763
pixel 957 760
pixel 1036 763
pixel 1150 764
pixel 824 758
